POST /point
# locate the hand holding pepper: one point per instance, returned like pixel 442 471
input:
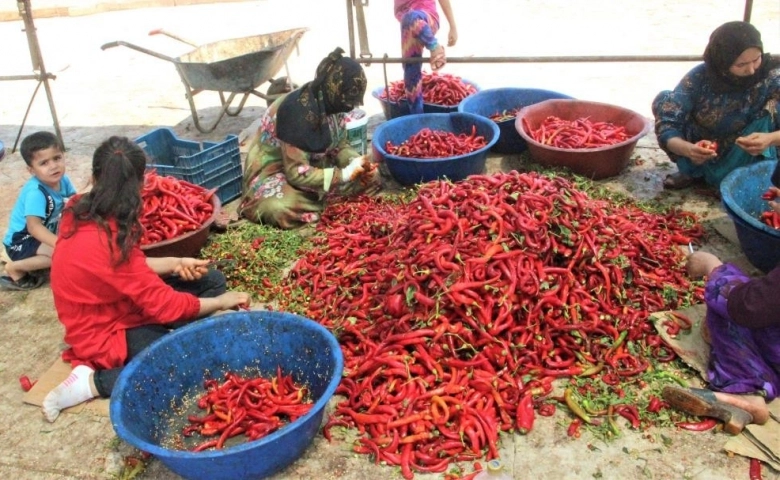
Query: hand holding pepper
pixel 702 151
pixel 772 195
pixel 234 301
pixel 190 269
pixel 353 170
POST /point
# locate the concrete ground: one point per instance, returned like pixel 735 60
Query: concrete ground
pixel 121 91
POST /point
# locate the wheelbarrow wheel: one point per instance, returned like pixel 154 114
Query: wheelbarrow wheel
pixel 278 87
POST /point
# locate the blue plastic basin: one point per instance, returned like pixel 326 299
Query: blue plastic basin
pixel 153 384
pixel 741 195
pixel 410 171
pixel 399 109
pixel 495 100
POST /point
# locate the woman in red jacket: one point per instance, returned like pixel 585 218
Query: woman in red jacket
pixel 111 299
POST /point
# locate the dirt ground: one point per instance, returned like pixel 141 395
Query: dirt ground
pixel 124 92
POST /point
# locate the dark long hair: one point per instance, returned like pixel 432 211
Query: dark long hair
pixel 118 167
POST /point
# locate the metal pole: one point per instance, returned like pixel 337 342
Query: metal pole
pixel 554 59
pixel 37 63
pixel 562 59
pixel 351 28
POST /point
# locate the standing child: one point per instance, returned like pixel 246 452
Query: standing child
pixel 32 230
pixel 111 299
pixel 419 24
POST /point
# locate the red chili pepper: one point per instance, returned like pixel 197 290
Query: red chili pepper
pixel 655 404
pixel 437 89
pixel 574 428
pixel 708 144
pixel 595 270
pixel 547 409
pixel 525 414
pixel 578 133
pixel 429 143
pixel 755 469
pixel 701 426
pixel 172 207
pixel 26 384
pixel 254 407
pixel 769 194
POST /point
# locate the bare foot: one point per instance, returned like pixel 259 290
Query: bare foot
pixel 15 274
pixel 754 404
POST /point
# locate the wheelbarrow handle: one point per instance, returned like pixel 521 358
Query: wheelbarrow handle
pixel 140 49
pixel 160 31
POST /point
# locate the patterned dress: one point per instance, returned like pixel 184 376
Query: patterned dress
pixel 742 359
pixel 285 186
pixel 419 24
pixel 693 111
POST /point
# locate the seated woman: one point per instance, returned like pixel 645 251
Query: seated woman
pixel 301 152
pixel 112 300
pixel 743 329
pixel 731 99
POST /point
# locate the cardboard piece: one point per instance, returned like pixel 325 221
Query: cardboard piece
pixel 689 345
pixel 761 442
pixel 58 372
pixel 756 441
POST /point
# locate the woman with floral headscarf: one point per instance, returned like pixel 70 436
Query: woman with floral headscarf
pixel 731 99
pixel 301 152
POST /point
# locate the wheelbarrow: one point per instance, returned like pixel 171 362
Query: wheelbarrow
pixel 236 67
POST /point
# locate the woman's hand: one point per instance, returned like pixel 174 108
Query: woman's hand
pixel 700 264
pixel 234 300
pixel 355 168
pixel 700 155
pixel 774 204
pixel 755 143
pixel 190 269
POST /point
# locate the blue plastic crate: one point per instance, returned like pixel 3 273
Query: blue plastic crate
pixel 209 165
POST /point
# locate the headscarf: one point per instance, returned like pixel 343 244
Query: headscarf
pixel 338 87
pixel 726 44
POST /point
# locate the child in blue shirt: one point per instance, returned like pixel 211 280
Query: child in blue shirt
pixel 32 230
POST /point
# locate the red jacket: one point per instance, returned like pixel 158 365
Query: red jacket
pixel 96 302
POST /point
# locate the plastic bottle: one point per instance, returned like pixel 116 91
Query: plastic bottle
pixel 494 471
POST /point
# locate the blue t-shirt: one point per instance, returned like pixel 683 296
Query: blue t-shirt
pixel 38 200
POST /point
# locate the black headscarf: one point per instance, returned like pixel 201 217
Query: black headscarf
pixel 726 44
pixel 338 87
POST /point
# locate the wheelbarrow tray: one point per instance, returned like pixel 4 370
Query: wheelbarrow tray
pixel 239 64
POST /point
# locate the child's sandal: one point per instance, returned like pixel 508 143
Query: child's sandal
pixel 27 282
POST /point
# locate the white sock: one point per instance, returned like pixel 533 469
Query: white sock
pixel 73 390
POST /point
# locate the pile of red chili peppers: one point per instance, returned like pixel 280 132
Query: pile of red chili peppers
pixel 254 407
pixel 579 133
pixel 172 207
pixel 437 89
pixel 429 143
pixel 457 310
